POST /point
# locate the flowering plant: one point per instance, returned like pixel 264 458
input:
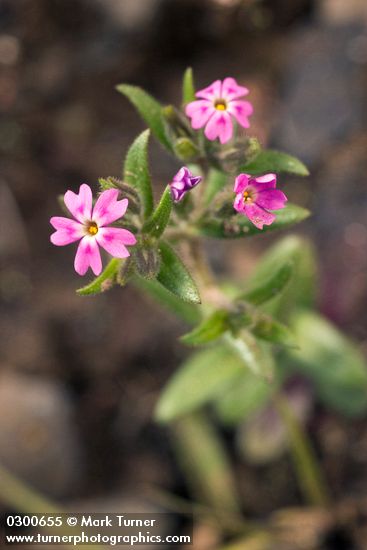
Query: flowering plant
pixel 254 336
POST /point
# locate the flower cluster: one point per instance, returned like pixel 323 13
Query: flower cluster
pixel 217 107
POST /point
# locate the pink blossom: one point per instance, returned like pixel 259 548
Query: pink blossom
pixel 256 196
pixel 89 226
pixel 216 105
pixel 182 182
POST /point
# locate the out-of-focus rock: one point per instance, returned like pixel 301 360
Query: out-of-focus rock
pixel 38 441
pixel 13 236
pixel 342 12
pixel 322 94
pixel 129 13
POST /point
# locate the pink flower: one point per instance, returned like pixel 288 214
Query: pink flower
pixel 89 226
pixel 256 196
pixel 217 103
pixel 182 182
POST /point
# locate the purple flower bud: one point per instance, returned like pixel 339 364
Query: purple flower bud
pixel 182 182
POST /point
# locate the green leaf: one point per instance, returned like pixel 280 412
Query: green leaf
pixel 300 291
pixel 136 172
pixel 201 378
pixel 240 226
pixel 247 395
pixel 174 276
pixel 274 161
pixel 104 281
pixel 272 331
pixel 334 364
pixel 252 353
pixel 185 311
pixel 210 329
pixel 160 218
pixel 272 286
pixel 188 88
pixel 149 109
pixel 215 182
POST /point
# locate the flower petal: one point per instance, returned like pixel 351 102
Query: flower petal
pixel 239 203
pixel 219 125
pixel 80 205
pixel 107 208
pixel 68 231
pixel 181 174
pixel 258 216
pixel 88 255
pixel 231 90
pixel 212 92
pixel 271 199
pixel 114 239
pixel 268 181
pixel 199 112
pixel 241 110
pixel 241 183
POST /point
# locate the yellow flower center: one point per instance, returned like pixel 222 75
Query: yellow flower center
pixel 92 228
pixel 247 196
pixel 220 105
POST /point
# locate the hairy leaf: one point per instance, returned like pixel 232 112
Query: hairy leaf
pixel 210 329
pixel 160 218
pixel 104 281
pixel 272 286
pixel 136 172
pixel 274 161
pixel 174 276
pixel 188 88
pixel 300 291
pixel 335 365
pixel 149 109
pixel 200 379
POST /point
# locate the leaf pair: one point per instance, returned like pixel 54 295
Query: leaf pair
pixel 260 324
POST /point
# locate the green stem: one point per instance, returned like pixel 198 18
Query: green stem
pixel 205 464
pixel 309 474
pixel 306 465
pixel 18 495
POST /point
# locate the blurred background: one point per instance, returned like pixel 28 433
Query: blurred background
pixel 79 377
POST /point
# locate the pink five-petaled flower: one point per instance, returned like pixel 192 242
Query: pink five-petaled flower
pixel 182 182
pixel 215 106
pixel 90 226
pixel 256 196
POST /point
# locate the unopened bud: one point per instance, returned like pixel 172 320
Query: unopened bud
pixel 176 123
pixel 186 149
pixel 147 262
